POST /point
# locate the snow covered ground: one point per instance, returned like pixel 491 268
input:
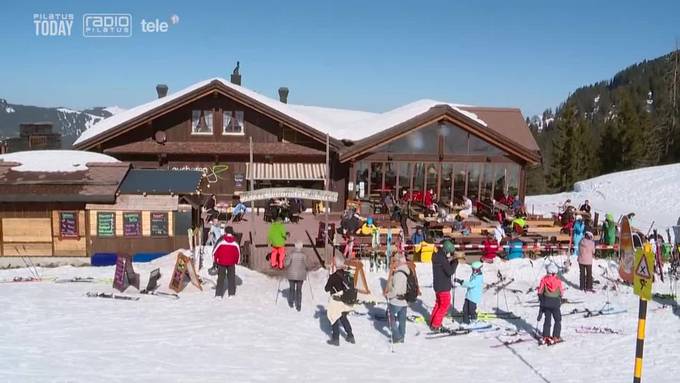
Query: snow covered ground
pixel 53 332
pixel 653 194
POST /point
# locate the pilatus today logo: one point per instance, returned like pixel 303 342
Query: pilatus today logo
pixel 53 24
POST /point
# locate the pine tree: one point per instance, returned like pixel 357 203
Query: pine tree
pixel 631 134
pixel 572 156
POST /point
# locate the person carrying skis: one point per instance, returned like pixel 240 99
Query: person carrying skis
pixel 337 309
pixel 442 270
pixel 550 291
pixel 586 253
pixel 398 305
pixel 226 255
pixel 578 229
pixel 609 232
pixel 473 295
pixel 277 240
pixel 296 272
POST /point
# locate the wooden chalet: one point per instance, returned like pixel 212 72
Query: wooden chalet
pixel 452 149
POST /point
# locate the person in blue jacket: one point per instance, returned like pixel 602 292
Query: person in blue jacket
pixel 473 296
pixel 579 230
pixel 418 236
pixel 515 248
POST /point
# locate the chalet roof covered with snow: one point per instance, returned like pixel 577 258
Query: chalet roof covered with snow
pixel 60 176
pixel 340 124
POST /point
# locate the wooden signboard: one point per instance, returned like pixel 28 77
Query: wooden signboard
pixel 68 224
pixel 120 281
pixel 125 275
pixel 132 224
pixel 106 224
pixel 356 269
pixel 159 224
pixel 183 268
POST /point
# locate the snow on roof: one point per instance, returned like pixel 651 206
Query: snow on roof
pixel 339 123
pixel 115 109
pixel 54 160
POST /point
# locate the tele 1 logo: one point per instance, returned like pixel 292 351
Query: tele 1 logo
pixel 107 25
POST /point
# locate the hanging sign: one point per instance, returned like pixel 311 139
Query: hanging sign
pixel 159 224
pixel 300 193
pixel 132 225
pixel 106 224
pixel 68 225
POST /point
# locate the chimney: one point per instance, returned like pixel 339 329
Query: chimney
pixel 162 90
pixel 283 94
pixel 236 75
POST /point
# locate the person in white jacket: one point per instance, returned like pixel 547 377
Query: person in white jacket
pixel 467 207
pixel 397 304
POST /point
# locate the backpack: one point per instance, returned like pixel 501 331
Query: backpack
pixel 411 287
pixel 349 293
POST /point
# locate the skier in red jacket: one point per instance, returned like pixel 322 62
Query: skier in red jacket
pixel 226 255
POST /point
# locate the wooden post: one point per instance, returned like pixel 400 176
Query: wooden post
pixel 251 187
pixel 327 205
pixel 639 346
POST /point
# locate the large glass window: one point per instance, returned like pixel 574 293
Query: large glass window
pixel 232 122
pixel 424 140
pixel 474 174
pixel 361 186
pixel 447 176
pixel 418 179
pixel 459 181
pixel 376 177
pixel 455 139
pixel 432 179
pixel 499 183
pixel 481 147
pixel 512 182
pixel 404 176
pixel 202 122
pixel 390 176
pixel 487 181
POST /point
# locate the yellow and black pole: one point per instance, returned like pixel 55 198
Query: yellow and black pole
pixel 640 345
pixel 643 278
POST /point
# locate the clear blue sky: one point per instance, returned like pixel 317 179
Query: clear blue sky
pixel 370 54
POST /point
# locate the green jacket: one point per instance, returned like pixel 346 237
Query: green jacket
pixel 609 230
pixel 277 234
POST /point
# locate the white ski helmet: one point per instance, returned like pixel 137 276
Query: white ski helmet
pixel 552 268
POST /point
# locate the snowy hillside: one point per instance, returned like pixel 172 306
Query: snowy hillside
pixel 53 332
pixel 653 194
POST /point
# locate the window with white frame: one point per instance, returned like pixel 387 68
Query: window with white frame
pixel 232 123
pixel 202 122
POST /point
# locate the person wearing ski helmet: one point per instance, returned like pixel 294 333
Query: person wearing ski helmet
pixel 473 295
pixel 578 229
pixel 442 270
pixel 550 291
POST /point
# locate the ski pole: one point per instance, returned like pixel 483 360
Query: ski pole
pixel 278 290
pixel 309 284
pixel 389 323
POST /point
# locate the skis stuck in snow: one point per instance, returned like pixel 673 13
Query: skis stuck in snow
pixel 92 294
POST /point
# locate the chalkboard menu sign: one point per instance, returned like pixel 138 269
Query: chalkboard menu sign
pixel 106 224
pixel 159 224
pixel 68 224
pixel 132 224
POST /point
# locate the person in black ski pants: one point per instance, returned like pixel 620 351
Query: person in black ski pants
pixel 337 310
pixel 550 292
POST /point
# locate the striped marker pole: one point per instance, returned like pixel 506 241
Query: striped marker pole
pixel 639 346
